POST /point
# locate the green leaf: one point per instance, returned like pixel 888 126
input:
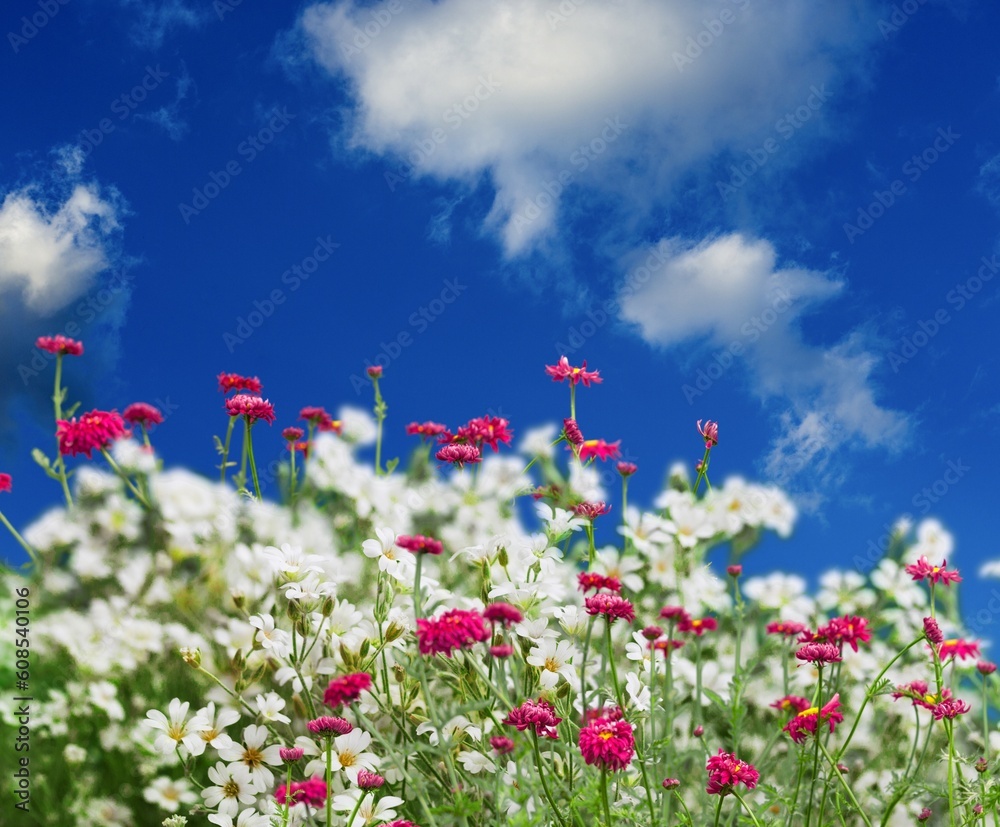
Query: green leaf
pixel 220 448
pixel 38 455
pixel 391 465
pixel 68 413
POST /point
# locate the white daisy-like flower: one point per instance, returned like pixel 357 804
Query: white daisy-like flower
pixel 270 707
pixel 254 755
pixel 609 563
pixel 537 442
pixel 169 793
pixel 476 762
pixel 176 729
pixel 104 695
pixel 638 692
pixel 248 818
pixel 370 811
pixel 348 754
pixel 554 658
pixel 452 730
pixel 276 641
pixel 384 550
pixel 291 562
pixel 213 731
pixel 231 786
pixel 559 521
pixel 845 591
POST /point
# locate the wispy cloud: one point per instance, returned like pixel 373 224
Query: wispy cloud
pixel 523 90
pixel 157 19
pixel 730 290
pixel 170 117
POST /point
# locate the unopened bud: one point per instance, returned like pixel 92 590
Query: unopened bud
pixel 192 657
pixel 239 599
pixel 502 557
pixel 393 631
pixel 398 672
pixel 328 606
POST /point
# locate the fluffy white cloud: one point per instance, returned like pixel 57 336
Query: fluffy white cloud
pixel 51 256
pixel 620 98
pixel 730 293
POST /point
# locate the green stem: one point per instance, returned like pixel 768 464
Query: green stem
pixel 118 470
pixel 604 796
pixel 843 781
pixel 746 807
pixel 35 561
pixel 288 797
pixel 225 449
pixel 60 463
pixel 253 464
pixel 572 401
pixel 614 669
pixel 292 478
pixel 815 773
pixel 949 728
pixel 718 810
pixel 702 473
pixel 545 784
pixel 583 667
pixel 380 412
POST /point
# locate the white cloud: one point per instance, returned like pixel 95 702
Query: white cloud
pixel 730 294
pixel 159 18
pixel 51 256
pixel 523 89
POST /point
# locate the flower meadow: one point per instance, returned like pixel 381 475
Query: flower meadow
pixel 449 641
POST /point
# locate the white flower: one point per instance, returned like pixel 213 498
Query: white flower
pixel 476 762
pixel 538 441
pixel 384 550
pixel 638 692
pixel 74 754
pixel 169 794
pixel 104 695
pixel 626 569
pixel 212 732
pixel 270 708
pixel 370 811
pixel 692 522
pixel 233 786
pixel 844 590
pixel 554 658
pixel 358 425
pixel 175 729
pixel 452 730
pixel 254 755
pixel 291 562
pixel 559 521
pixel 348 754
pixel 276 641
pixel 248 818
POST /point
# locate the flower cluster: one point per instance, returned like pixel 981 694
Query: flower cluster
pixel 452 630
pixel 94 431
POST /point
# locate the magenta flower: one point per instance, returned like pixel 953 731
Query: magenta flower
pixel 607 744
pixel 562 370
pixel 600 449
pixel 6 483
pixel 459 454
pixel 234 382
pixel 819 653
pixel 710 432
pixel 452 630
pixel 251 408
pixel 612 606
pixel 93 431
pixel 539 715
pixel 346 689
pixel 419 544
pixel 923 570
pixel 725 771
pixel 60 345
pixel 143 414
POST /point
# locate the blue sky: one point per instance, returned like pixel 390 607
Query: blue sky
pixel 781 216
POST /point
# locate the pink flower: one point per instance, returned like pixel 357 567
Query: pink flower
pixel 652 632
pixel 710 432
pixel 419 544
pixel 627 469
pixel 6 483
pixel 319 418
pixel 671 783
pixel 540 715
pixel 60 345
pixel 291 754
pixel 819 653
pixel 587 580
pixel 806 722
pixel 368 780
pixel 328 726
pixel 922 569
pixel 985 667
pixel 486 430
pixel 140 413
pixel 501 744
pixel 698 625
pixel 311 792
pixel 674 613
pixel 293 434
pixel 591 510
pixel 398 823
pixel 848 629
pixel 958 648
pixel 345 689
pixel 572 432
pixel 251 408
pixel 950 708
pixel 788 628
pixel 789 702
pixel 600 449
pixel 612 606
pixel 607 744
pixel 454 629
pixel 502 613
pixel 234 382
pixel 924 814
pixel 459 454
pixel 932 631
pixel 502 650
pixel 428 430
pixel 734 571
pixel 563 370
pixel 374 371
pixel 725 771
pixel 93 431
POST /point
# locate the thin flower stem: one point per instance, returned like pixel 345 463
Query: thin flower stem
pixel 253 464
pixel 702 474
pixel 380 413
pixel 718 811
pixel 545 784
pixel 680 800
pixel 843 781
pixel 746 807
pixel 292 478
pixel 118 470
pixel 572 401
pixel 625 514
pixel 60 463
pixel 329 779
pixel 583 666
pixel 35 561
pixel 604 796
pixel 225 449
pixel 288 798
pixel 949 728
pixel 815 772
pixel 614 671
